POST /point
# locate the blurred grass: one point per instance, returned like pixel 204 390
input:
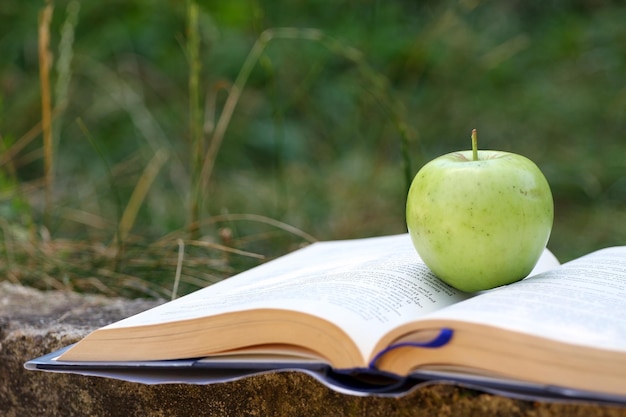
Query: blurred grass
pixel 316 146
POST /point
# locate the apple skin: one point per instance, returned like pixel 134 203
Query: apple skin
pixel 480 224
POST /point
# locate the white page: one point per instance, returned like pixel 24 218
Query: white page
pixel 582 302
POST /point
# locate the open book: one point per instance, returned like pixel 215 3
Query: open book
pixel 366 316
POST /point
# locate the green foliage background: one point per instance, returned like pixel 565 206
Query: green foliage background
pixel 324 137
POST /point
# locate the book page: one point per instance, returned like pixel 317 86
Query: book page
pixel 582 302
pixel 365 286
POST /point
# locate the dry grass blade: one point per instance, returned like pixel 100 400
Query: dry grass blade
pixel 224 248
pixel 139 193
pixel 64 61
pixel 45 59
pixel 266 220
pixel 179 267
pixel 9 155
pixel 195 114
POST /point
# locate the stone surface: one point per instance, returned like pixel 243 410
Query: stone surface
pixel 33 323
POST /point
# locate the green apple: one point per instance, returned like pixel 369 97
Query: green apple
pixel 480 219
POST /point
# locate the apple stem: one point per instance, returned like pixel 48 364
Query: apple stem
pixel 474 145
